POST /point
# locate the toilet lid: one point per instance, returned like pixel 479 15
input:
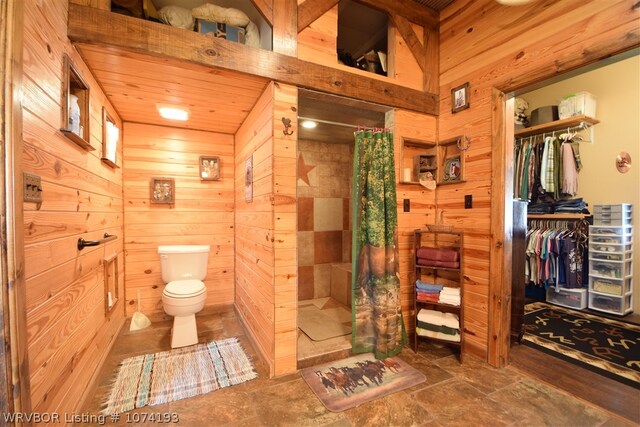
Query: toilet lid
pixel 184 288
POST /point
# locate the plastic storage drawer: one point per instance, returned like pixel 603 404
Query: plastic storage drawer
pixel 613 239
pixel 610 269
pixel 608 286
pixel 572 298
pixel 609 209
pixel 614 230
pixel 612 219
pixel 610 304
pixel 608 253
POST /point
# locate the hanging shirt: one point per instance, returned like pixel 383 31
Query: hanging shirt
pixel 569 170
pixel 543 164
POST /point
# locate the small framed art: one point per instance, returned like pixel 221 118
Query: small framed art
pixel 209 168
pixel 163 190
pixel 452 171
pixel 460 98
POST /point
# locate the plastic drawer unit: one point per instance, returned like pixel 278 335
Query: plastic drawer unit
pixel 619 305
pixel 617 287
pixel 572 298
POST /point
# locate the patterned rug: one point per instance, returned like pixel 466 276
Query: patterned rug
pixel 351 382
pixel 606 346
pixel 153 379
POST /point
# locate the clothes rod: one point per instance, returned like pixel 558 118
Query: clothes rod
pixel 329 122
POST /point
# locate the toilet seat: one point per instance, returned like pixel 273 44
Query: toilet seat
pixel 184 288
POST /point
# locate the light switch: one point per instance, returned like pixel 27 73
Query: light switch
pixel 32 187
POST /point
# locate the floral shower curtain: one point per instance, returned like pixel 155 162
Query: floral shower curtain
pixel 375 285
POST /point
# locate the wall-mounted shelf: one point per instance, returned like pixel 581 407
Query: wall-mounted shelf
pixel 451 161
pixel 564 124
pixel 110 139
pixel 558 216
pixel 418 156
pixel 75 106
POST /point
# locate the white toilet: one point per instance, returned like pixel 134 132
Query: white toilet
pixel 183 269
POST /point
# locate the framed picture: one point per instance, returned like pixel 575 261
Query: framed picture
pixel 452 171
pixel 209 168
pixel 163 190
pixel 460 98
pixel 110 139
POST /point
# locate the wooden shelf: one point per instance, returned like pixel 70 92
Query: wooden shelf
pixel 438 268
pixel 558 216
pixel 77 139
pixel 439 340
pixel 439 304
pixel 556 125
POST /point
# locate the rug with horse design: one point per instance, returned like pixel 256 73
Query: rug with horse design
pixel 347 383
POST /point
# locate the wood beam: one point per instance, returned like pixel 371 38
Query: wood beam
pixel 285 23
pixel 407 8
pixel 431 68
pixel 265 7
pixel 411 38
pixel 310 10
pixel 112 30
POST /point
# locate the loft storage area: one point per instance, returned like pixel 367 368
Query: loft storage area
pixel 235 20
pixel 362 37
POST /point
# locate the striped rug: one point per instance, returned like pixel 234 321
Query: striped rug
pixel 153 379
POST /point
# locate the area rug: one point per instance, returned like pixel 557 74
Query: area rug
pixel 351 382
pixel 606 346
pixel 153 379
pixel 320 326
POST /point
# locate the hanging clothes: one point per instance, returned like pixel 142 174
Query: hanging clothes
pixel 570 170
pixel 377 321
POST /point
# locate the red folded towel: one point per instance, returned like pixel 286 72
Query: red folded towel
pixel 432 263
pixel 438 254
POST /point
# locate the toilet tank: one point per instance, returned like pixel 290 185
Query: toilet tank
pixel 182 262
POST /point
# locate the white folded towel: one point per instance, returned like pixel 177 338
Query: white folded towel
pixel 450 291
pixel 439 335
pixel 439 318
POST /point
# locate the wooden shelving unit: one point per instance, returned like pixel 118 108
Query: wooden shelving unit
pixel 556 125
pixel 449 277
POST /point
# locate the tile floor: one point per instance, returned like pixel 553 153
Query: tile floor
pixel 472 394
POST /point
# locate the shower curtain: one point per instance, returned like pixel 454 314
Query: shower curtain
pixel 375 285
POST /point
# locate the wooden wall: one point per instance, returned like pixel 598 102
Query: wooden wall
pixel 254 227
pixel 493 46
pixel 318 43
pixel 68 332
pixel 201 215
pixel 417 127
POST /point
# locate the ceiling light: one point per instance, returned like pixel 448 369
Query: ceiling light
pixel 309 124
pixel 173 112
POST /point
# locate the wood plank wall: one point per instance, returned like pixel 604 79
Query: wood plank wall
pixel 417 127
pixel 69 334
pixel 489 45
pixel 318 43
pixel 201 215
pixel 254 227
pixel 285 149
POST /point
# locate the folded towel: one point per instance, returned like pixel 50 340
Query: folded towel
pixel 439 335
pixel 424 286
pixel 449 300
pixel 439 318
pixel 450 291
pixel 431 263
pixel 420 296
pixel 437 328
pixel 438 254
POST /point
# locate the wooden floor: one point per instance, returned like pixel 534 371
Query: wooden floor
pixel 605 392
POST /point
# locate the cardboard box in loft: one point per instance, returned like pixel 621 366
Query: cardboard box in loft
pixel 220 30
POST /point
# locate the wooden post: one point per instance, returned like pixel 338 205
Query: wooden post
pixel 14 379
pixel 285 27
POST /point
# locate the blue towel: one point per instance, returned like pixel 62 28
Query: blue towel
pixel 428 287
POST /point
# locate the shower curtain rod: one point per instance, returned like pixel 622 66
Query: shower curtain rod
pixel 346 125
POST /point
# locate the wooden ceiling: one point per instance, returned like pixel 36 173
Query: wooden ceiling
pixel 217 100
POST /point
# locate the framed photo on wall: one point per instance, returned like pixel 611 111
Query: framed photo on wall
pixel 209 168
pixel 460 98
pixel 163 190
pixel 452 171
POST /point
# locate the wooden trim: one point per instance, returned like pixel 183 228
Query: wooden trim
pixel 411 38
pixel 119 32
pixel 407 8
pixel 501 230
pixel 285 23
pixel 265 7
pixel 310 10
pixel 12 296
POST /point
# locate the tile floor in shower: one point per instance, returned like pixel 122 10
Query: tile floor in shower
pixel 312 352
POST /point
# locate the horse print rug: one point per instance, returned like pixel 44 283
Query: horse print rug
pixel 153 379
pixel 347 383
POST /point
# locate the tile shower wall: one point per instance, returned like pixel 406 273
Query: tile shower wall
pixel 324 213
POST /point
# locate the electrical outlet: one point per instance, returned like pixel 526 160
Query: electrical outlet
pixel 32 188
pixel 468 201
pixel 406 204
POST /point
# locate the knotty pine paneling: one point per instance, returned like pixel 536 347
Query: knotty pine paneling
pixel 318 43
pixel 420 127
pixel 68 332
pixel 254 226
pixel 493 46
pixel 201 215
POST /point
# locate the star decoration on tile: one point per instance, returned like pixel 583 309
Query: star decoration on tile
pixel 303 170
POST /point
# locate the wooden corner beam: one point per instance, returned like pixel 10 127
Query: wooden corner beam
pixel 411 38
pixel 265 7
pixel 115 31
pixel 310 10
